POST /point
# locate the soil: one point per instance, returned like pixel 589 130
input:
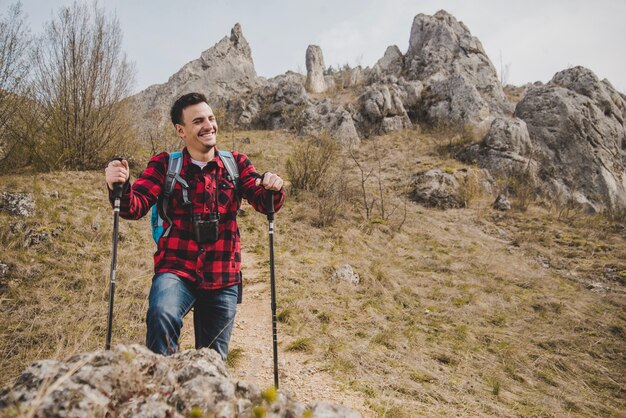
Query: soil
pixel 299 374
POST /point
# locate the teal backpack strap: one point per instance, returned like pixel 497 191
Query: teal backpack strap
pixel 171 177
pixel 233 171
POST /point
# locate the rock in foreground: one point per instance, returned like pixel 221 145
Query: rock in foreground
pixel 131 381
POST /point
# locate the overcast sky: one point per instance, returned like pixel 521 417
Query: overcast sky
pixel 535 38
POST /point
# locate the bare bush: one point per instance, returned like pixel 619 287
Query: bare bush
pixel 14 68
pixel 310 161
pixel 81 77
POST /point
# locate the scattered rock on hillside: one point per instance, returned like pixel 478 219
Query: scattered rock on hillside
pixel 346 274
pixel 5 269
pixel 315 82
pixel 448 190
pixel 131 381
pixel 576 124
pixel 461 85
pixel 19 204
pixel 502 203
pixel 434 188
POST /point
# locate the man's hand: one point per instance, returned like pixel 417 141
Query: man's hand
pixel 116 172
pixel 270 181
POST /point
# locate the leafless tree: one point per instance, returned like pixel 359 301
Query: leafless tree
pixel 80 78
pixel 14 43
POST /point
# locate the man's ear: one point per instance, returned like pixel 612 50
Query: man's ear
pixel 179 130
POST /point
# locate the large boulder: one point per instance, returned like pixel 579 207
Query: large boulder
pixel 576 124
pixel 461 85
pixel 221 72
pixel 315 82
pixel 131 381
pixel 506 149
pixel 449 189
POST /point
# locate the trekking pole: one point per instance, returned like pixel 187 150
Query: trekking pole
pixel 117 193
pixel 270 218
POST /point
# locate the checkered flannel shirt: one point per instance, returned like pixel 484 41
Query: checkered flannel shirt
pixel 212 265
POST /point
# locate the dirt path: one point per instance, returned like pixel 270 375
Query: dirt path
pixel 299 374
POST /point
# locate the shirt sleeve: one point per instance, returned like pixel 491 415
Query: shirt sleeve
pixel 255 195
pixel 138 198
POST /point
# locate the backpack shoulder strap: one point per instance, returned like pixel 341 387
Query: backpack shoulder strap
pixel 231 166
pixel 171 177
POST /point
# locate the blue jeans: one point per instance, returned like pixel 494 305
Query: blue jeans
pixel 171 298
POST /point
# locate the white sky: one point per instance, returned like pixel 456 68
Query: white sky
pixel 536 38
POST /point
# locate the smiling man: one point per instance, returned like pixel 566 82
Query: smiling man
pixel 198 261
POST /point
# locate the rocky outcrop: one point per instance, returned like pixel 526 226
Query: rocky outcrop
pixel 569 135
pixel 577 125
pixel 18 204
pixel 460 82
pixel 315 82
pixel 505 150
pixel 391 63
pixel 327 118
pixel 221 72
pixel 382 106
pixel 131 381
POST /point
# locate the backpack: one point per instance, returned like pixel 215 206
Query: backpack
pixel 173 175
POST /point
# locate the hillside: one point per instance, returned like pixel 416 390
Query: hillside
pixel 462 312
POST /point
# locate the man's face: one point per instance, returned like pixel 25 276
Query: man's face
pixel 199 128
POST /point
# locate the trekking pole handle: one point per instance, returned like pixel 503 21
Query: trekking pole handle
pixel 269 205
pixel 117 187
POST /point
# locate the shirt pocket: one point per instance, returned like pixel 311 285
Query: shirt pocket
pixel 226 197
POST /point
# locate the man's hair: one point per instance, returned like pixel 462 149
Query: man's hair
pixel 176 113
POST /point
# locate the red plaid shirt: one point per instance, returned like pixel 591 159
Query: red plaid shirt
pixel 212 265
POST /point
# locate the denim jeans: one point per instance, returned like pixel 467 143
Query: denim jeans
pixel 171 298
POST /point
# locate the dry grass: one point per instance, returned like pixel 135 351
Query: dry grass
pixel 459 313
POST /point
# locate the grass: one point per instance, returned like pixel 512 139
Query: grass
pixel 465 312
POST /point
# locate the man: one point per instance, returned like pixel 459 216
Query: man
pixel 198 264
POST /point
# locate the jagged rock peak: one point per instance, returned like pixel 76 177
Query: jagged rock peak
pixel 461 83
pixel 239 41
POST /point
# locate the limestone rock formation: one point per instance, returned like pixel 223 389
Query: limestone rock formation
pixel 382 108
pixel 505 150
pixel 131 381
pixel 577 124
pixel 326 117
pixel 19 204
pixel 391 63
pixel 460 82
pixel 315 82
pixel 223 71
